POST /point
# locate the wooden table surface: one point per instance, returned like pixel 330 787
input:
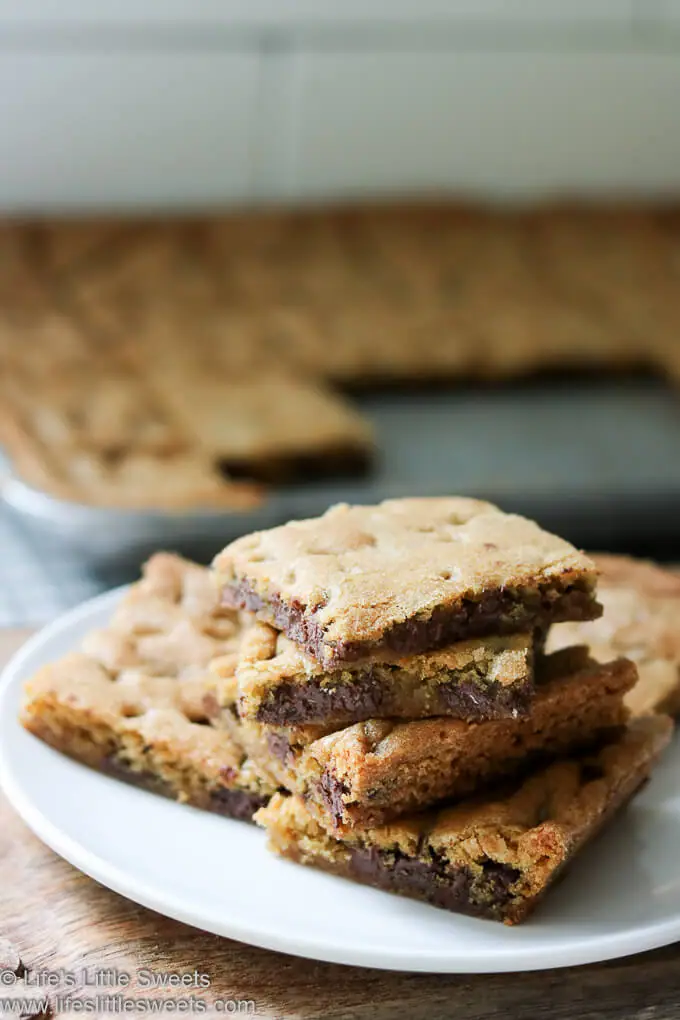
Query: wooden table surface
pixel 52 917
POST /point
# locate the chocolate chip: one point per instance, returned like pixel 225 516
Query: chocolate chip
pixel 467 699
pixel 332 792
pixel 236 803
pixel 279 746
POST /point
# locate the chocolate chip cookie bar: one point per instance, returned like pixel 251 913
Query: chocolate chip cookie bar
pixel 641 620
pixel 405 576
pixel 125 479
pixel 103 438
pixel 269 427
pixel 492 857
pixel 170 623
pixel 154 731
pixel 375 771
pixel 138 700
pixel 488 678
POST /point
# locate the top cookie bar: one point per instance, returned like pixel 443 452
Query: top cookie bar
pixel 406 576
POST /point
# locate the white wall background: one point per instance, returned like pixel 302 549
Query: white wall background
pixel 144 103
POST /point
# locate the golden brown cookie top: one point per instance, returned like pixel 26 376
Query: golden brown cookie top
pixel 405 575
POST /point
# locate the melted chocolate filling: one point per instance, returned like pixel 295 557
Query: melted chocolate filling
pixel 499 612
pixel 235 804
pixel 437 881
pixel 366 697
pixel 231 803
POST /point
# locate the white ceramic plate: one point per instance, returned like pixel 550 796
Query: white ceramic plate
pixel 622 896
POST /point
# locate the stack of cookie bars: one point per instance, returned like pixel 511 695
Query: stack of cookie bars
pixel 393 683
pixel 373 687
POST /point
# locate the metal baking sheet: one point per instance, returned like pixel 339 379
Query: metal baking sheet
pixel 592 459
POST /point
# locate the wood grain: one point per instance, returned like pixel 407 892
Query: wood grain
pixel 53 917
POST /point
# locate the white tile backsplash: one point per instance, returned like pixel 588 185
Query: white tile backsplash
pixel 232 100
pixel 499 123
pixel 291 12
pixel 660 10
pixel 126 128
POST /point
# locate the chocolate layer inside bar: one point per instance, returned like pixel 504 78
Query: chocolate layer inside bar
pixel 237 804
pixel 499 612
pixel 436 881
pixel 366 697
